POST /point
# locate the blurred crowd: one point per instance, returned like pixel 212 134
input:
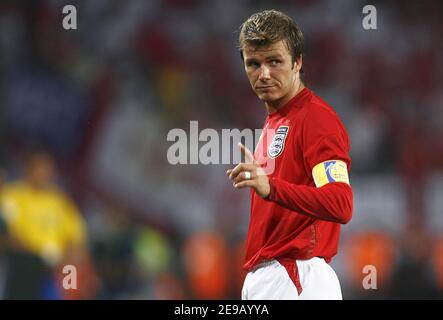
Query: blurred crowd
pixel 84 116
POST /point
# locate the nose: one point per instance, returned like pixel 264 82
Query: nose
pixel 265 73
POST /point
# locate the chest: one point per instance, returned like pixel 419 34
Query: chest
pixel 280 152
pixel 42 210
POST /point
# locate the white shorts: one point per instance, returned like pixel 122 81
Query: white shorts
pixel 311 279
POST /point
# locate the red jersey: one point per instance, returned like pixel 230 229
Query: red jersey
pixel 299 219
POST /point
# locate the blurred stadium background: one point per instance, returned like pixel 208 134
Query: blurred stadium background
pixel 90 109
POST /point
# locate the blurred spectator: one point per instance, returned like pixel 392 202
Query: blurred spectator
pixel 437 263
pixel 413 276
pixel 206 260
pixel 45 232
pixel 114 254
pixel 371 248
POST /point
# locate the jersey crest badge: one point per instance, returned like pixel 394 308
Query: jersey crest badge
pixel 278 142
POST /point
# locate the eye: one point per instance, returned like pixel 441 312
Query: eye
pixel 275 62
pixel 253 64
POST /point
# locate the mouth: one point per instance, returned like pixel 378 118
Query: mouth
pixel 264 87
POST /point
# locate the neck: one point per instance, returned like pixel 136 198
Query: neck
pixel 38 185
pixel 274 106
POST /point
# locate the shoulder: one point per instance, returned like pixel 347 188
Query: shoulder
pixel 59 195
pixel 13 188
pixel 318 110
pixel 12 195
pixel 321 120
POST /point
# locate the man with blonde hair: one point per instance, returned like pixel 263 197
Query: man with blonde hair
pixel 296 210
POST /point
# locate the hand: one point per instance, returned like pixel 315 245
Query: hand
pixel 259 181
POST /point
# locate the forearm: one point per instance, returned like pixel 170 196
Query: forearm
pixel 332 202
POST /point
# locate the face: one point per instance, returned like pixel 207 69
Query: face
pixel 271 73
pixel 41 170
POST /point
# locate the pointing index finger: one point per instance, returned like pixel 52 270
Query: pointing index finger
pixel 249 157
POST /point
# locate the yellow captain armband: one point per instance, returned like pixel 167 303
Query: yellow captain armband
pixel 330 171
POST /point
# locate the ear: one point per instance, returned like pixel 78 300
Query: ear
pixel 298 63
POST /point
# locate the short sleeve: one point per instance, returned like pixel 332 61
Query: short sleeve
pixel 324 137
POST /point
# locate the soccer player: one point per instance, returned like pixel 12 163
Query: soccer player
pixel 297 209
pixel 44 232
